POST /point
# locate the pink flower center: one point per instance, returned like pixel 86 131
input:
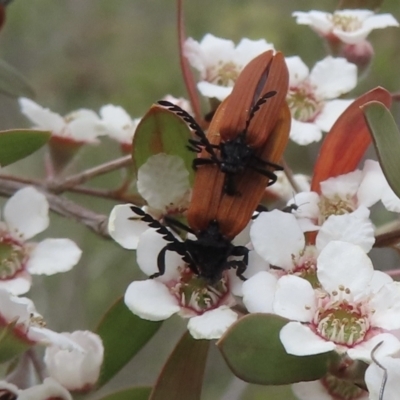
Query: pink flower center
pixel 303 102
pixel 13 257
pixel 340 320
pixel 197 296
pixel 306 266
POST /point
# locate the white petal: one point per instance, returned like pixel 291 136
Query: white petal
pixel 372 185
pixel 362 351
pixel 304 133
pixel 149 247
pixel 118 123
pixel 342 264
pixel 390 200
pixel 212 324
pixel 379 279
pixel 211 90
pixel 276 237
pixel 150 300
pixel 294 298
pixel 85 130
pixel 163 181
pixel 47 337
pixel 52 256
pixel 125 227
pixel 314 390
pixel 27 213
pixel 298 71
pixel 43 118
pixel 49 389
pixel 386 306
pixel 330 113
pixel 256 264
pixel 345 186
pixel 307 205
pixel 259 291
pixel 318 20
pixel 380 21
pixel 299 340
pixel 248 49
pixel 342 77
pixel 20 284
pixel 347 228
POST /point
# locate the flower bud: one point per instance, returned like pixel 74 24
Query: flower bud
pixel 359 54
pixel 76 370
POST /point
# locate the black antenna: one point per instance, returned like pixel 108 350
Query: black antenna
pixel 385 373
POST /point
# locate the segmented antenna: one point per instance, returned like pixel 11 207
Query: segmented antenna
pixel 262 100
pixel 153 223
pixel 192 125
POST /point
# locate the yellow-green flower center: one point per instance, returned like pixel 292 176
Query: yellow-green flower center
pixel 346 23
pixel 342 322
pixel 303 103
pixel 334 206
pixel 226 74
pixel 12 258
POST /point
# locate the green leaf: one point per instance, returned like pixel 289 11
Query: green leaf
pixel 123 335
pixel 12 83
pixel 254 352
pixel 136 393
pixel 20 143
pixel 182 374
pixel 386 138
pixel 162 131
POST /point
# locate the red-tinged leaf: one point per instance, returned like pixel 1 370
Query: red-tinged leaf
pixel 182 376
pixel 347 141
pixel 386 138
pixel 162 131
pixel 253 351
pixel 135 393
pixel 123 335
pixel 19 143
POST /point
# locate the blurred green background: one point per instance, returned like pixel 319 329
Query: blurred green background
pixel 87 53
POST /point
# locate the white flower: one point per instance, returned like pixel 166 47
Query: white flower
pixel 82 126
pixel 220 62
pixel 163 181
pixel 328 388
pixel 49 389
pixel 343 194
pixel 27 324
pixel 118 124
pixel 351 312
pixel 312 95
pixel 349 26
pixel 278 239
pixel 25 215
pixel 180 291
pixel 76 370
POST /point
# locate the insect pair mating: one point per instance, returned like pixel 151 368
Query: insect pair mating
pixel 250 127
